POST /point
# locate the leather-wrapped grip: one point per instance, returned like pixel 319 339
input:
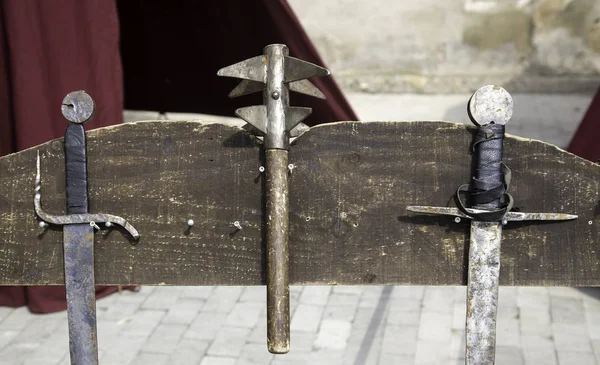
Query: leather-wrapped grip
pixel 487 186
pixel 76 169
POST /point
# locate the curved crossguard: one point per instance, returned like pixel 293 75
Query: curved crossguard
pixel 60 220
pixel 489 108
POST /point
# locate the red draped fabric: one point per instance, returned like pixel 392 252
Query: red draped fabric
pixel 155 55
pixel 586 141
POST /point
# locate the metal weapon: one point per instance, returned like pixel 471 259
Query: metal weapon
pixel 490 108
pixel 78 232
pixel 275 73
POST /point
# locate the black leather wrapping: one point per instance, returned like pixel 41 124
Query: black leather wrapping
pixel 76 169
pixel 488 186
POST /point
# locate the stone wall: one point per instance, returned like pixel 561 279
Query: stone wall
pixel 449 46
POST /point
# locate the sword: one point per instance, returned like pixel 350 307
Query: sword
pixel 490 108
pixel 78 232
pixel 275 73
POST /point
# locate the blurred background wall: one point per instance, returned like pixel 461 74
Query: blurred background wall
pixel 450 46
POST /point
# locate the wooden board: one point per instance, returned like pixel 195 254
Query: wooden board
pixel 349 190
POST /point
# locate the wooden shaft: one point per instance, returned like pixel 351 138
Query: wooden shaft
pixel 277 238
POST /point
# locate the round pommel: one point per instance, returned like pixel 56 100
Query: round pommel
pixel 490 104
pixel 78 107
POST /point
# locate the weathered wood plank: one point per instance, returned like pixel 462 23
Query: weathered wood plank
pixel 348 195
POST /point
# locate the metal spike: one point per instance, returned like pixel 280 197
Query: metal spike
pixel 254 69
pixel 255 115
pixel 296 69
pixel 247 87
pixel 307 88
pixel 298 130
pixel 294 115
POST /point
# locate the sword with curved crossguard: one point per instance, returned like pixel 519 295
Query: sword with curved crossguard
pixel 490 108
pixel 78 232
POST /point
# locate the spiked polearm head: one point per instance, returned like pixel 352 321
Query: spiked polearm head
pixel 275 73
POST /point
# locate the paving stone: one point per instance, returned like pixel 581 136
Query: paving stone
pixel 38 330
pixel 507 333
pixel 535 321
pixel 143 323
pixel 457 345
pixel 531 296
pixel 431 352
pixel 435 326
pixel 315 295
pixel 401 317
pixel 459 315
pixel 197 292
pixel 184 311
pixel 6 337
pixel 509 355
pixel 399 340
pixel 575 358
pixel 365 349
pixel 438 299
pixel 229 342
pixel 333 334
pixel 163 297
pixel 188 352
pixel 569 338
pixel 405 304
pixel 259 332
pixel 300 341
pixel 507 303
pixel 389 359
pixel 408 292
pixel 340 312
pixel 329 357
pixel 256 294
pixel 292 358
pixel 4 312
pixel 215 360
pixel 18 319
pixel 52 350
pixel 16 353
pixel 343 299
pixel 538 350
pixel 307 318
pixel 205 326
pixel 223 299
pixel 164 339
pixel 120 312
pixel 348 289
pixel 122 351
pixel 567 310
pixel 245 314
pixel 254 354
pixel 145 358
pixel 564 292
pixel 370 297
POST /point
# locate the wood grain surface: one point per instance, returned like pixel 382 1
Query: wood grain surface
pixel 348 196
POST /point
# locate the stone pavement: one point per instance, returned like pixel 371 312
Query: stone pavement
pixel 330 325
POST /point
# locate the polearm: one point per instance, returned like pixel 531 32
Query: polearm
pixel 490 108
pixel 275 73
pixel 78 232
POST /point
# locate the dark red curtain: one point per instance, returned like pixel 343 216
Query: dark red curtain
pixel 586 141
pixel 169 52
pixel 48 49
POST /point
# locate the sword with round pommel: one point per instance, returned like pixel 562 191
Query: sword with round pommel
pixel 275 73
pixel 78 231
pixel 490 108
